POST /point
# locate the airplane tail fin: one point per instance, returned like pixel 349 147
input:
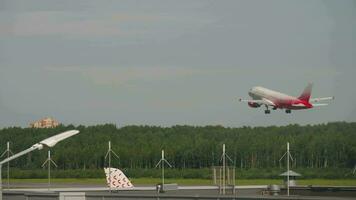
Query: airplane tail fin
pixel 116 179
pixel 305 96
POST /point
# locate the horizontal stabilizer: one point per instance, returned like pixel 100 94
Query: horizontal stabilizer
pixel 321 99
pixel 319 104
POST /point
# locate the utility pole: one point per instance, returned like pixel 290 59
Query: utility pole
pixel 223 158
pixel 49 161
pixel 288 167
pixel 108 155
pixel 224 168
pixel 287 153
pixel 162 161
pixel 0 182
pixel 8 153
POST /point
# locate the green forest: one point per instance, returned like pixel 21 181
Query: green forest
pixel 324 150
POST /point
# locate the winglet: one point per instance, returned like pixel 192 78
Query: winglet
pixel 305 96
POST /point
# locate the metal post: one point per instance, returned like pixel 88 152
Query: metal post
pixel 220 179
pixel 161 163
pixel 233 176
pixel 288 155
pixel 162 170
pixel 8 153
pixel 228 181
pixel 49 170
pixel 49 161
pixel 224 166
pixel 223 160
pixel 110 164
pixel 0 182
pixel 8 165
pixel 214 175
pixel 108 155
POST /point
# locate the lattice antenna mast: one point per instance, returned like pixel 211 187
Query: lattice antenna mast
pixel 289 156
pixel 108 156
pixel 7 153
pixel 223 158
pixel 49 161
pixel 162 162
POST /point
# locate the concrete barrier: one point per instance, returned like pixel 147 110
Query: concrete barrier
pixel 72 196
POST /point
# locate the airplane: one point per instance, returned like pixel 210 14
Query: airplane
pixel 276 100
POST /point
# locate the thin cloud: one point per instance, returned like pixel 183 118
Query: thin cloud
pixel 47 23
pixel 120 76
pixel 138 17
pixel 53 23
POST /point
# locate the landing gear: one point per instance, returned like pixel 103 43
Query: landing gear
pixel 288 111
pixel 267 111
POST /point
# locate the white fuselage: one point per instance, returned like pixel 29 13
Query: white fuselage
pixel 258 93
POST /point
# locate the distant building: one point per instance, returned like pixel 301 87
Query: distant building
pixel 45 123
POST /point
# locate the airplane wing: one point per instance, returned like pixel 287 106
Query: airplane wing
pixel 259 101
pixel 321 99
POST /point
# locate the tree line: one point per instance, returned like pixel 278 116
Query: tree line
pixel 331 145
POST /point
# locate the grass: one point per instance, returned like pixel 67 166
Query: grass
pixel 153 181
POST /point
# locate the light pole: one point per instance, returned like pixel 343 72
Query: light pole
pixel 49 142
pixel 223 159
pixel 49 161
pixel 108 155
pixel 162 161
pixel 7 152
pixel 289 156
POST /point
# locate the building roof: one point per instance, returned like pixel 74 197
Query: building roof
pixel 291 173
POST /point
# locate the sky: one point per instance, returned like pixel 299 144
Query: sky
pixel 173 62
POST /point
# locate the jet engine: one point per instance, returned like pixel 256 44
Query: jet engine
pixel 253 105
